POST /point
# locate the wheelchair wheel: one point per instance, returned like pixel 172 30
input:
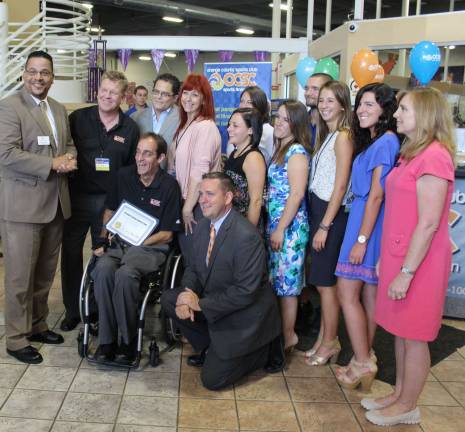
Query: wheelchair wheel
pixel 171 278
pixel 80 342
pixel 154 353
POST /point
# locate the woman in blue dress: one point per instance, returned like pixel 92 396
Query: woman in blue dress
pixel 287 226
pixel 376 149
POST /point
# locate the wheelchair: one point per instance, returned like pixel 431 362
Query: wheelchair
pixel 152 286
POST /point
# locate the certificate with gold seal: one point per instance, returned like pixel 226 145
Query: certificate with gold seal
pixel 132 224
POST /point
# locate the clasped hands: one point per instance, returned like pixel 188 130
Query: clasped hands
pixel 186 304
pixel 65 163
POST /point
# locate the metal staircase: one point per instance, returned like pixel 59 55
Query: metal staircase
pixel 60 28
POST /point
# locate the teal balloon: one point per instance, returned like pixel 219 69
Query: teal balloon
pixel 305 68
pixel 328 66
pixel 424 60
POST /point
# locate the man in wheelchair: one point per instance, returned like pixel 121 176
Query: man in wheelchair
pixel 120 267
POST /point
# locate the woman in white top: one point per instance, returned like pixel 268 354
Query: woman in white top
pixel 255 97
pixel 329 179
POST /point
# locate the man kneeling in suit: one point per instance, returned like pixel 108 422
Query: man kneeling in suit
pixel 225 306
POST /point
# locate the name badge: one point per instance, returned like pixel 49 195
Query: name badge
pixel 43 140
pixel 102 164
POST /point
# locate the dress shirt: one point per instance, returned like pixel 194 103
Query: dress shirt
pixel 157 123
pixel 50 117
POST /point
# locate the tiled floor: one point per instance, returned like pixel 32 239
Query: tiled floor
pixel 66 394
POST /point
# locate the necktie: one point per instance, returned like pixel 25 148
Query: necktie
pixel 211 242
pixel 43 108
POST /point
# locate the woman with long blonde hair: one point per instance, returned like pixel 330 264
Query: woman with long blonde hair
pixel 415 257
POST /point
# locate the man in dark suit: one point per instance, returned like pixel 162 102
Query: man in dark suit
pixel 36 151
pixel 225 306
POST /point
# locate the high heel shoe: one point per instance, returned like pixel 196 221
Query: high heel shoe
pixel 312 351
pixel 343 369
pixel 363 375
pixel 334 349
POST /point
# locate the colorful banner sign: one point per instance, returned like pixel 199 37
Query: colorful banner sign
pixel 228 80
pixel 455 301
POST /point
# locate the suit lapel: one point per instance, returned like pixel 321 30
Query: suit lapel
pixel 220 238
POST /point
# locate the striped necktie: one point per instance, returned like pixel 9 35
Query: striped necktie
pixel 43 108
pixel 211 242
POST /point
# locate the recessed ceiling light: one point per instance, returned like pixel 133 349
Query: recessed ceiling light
pixel 87 5
pixel 170 54
pixel 96 29
pixel 173 19
pixel 61 51
pixel 245 31
pixel 282 7
pixel 145 58
pixel 451 47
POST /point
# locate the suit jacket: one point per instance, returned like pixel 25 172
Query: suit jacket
pixel 235 294
pixel 168 128
pixel 29 190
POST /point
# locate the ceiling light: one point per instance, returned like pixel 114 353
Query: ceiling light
pixel 61 51
pixel 87 5
pixel 97 29
pixel 451 47
pixel 245 31
pixel 145 58
pixel 173 19
pixel 282 7
pixel 170 54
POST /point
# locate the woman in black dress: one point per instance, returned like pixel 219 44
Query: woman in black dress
pixel 246 164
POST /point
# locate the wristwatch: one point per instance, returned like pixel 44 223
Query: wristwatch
pixel 407 271
pixel 362 239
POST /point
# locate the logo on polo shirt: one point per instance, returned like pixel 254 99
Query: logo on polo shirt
pixel 119 139
pixel 155 202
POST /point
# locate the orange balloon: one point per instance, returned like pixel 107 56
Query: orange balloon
pixel 379 77
pixel 364 67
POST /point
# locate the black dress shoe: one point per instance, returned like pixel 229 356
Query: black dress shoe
pixel 47 337
pixel 69 324
pixel 126 354
pixel 26 355
pixel 197 360
pixel 105 353
pixel 276 357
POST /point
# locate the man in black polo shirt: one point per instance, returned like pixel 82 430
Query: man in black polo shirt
pixel 119 270
pixel 105 140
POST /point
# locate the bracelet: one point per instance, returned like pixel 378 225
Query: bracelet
pixel 407 271
pixel 325 227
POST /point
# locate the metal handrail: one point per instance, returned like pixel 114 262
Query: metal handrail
pixel 61 25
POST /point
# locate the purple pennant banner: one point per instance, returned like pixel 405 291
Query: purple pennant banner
pixel 191 58
pixel 225 56
pixel 92 58
pixel 157 58
pixel 260 56
pixel 123 55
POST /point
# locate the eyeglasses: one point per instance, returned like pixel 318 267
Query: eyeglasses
pixel 162 94
pixel 43 74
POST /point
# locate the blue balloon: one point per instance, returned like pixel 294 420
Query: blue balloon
pixel 305 68
pixel 424 60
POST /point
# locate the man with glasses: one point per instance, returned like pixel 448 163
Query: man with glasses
pixel 36 153
pixel 162 117
pixel 105 140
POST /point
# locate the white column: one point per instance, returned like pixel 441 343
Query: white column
pixel 418 8
pixel 3 44
pixel 358 9
pixel 329 5
pixel 403 52
pixel 310 11
pixel 446 63
pixel 289 19
pixel 378 8
pixel 276 33
pixel 451 5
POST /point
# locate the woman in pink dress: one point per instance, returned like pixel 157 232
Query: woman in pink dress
pixel 196 150
pixel 415 250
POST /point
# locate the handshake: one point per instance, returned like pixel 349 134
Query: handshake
pixel 64 164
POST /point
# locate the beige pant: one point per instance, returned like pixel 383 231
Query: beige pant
pixel 30 256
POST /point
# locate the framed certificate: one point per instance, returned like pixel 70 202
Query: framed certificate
pixel 131 224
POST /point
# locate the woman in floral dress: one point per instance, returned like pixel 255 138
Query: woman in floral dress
pixel 287 225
